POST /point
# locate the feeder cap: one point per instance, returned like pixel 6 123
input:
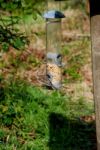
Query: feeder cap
pixel 53 14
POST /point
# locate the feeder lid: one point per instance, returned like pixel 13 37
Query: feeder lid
pixel 53 14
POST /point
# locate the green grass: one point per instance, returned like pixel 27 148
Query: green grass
pixel 35 118
pixel 32 118
pixel 77 54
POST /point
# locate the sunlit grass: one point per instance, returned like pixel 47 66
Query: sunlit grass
pixel 25 118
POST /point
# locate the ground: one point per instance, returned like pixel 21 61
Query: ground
pixel 35 118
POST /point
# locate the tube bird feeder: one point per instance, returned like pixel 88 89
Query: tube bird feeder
pixel 53 48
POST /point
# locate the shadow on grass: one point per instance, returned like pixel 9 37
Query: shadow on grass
pixel 71 134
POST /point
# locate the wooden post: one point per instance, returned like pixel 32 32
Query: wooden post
pixel 95 36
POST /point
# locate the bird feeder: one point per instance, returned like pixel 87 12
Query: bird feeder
pixel 53 48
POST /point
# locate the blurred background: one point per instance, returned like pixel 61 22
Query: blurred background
pixel 33 117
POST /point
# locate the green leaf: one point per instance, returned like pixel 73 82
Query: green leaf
pixel 7 120
pixel 2 134
pixel 18 43
pixel 3 5
pixel 5 47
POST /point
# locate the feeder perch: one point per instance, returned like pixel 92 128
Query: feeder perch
pixel 53 48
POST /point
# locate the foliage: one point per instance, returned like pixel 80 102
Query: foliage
pixel 10 5
pixel 10 37
pixel 30 6
pixel 9 33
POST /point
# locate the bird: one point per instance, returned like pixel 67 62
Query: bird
pixel 55 58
